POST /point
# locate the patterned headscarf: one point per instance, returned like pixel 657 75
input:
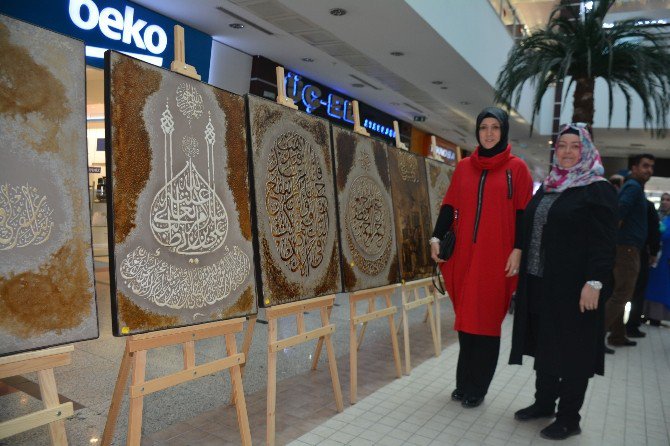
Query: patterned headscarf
pixel 588 169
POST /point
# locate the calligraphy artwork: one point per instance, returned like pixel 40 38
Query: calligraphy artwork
pixel 47 290
pixel 298 252
pixel 439 177
pixel 411 203
pixel 367 233
pixel 180 207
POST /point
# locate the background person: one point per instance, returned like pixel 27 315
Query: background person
pixel 487 195
pixel 569 236
pixel 657 295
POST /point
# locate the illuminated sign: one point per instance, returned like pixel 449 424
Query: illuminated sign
pixel 445 153
pixel 312 97
pixel 114 25
pixel 119 25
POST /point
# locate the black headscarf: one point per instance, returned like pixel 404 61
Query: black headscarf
pixel 500 115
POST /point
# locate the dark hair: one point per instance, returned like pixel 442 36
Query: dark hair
pixel 635 160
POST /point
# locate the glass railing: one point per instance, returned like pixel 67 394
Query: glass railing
pixel 509 17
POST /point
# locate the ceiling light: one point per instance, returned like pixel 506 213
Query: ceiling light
pixel 444 88
pixel 397 53
pixel 338 12
pixel 237 25
pixel 437 82
pixel 357 85
pixel 307 59
pixel 465 103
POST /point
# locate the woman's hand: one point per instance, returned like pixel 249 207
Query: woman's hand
pixel 513 262
pixel 589 298
pixel 435 251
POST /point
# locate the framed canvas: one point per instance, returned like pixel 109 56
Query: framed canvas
pixel 47 290
pixel 180 221
pixel 411 205
pixel 365 208
pixel 297 248
pixel 439 177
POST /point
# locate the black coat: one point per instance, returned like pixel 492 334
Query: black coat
pixel 579 244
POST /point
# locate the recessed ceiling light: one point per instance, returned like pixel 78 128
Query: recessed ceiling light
pixel 338 12
pixel 465 103
pixel 397 53
pixel 443 87
pixel 307 59
pixel 237 25
pixel 357 85
pixel 437 82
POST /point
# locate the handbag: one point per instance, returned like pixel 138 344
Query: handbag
pixel 447 244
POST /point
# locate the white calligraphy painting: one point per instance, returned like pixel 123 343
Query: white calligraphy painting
pixel 166 285
pixel 25 217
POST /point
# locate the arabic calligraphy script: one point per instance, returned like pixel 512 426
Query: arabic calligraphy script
pixel 25 217
pixel 175 287
pixel 409 167
pixel 187 215
pixel 368 225
pixel 296 203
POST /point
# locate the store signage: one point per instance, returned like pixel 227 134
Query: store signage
pixel 94 169
pixel 313 98
pixel 115 25
pixel 445 153
pixel 120 25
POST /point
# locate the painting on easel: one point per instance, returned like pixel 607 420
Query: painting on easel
pixel 180 213
pixel 47 291
pixel 367 233
pixel 412 210
pixel 439 178
pixel 298 254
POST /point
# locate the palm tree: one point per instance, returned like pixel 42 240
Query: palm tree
pixel 577 48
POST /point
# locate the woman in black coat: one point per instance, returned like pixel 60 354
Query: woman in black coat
pixel 569 243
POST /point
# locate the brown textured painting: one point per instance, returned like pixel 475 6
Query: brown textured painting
pixel 47 291
pixel 298 254
pixel 367 232
pixel 180 212
pixel 439 177
pixel 412 213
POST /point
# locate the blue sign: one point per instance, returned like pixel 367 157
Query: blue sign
pixel 115 24
pixel 313 99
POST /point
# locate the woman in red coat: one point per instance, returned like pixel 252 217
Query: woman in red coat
pixel 484 203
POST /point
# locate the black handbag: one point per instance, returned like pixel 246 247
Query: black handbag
pixel 447 245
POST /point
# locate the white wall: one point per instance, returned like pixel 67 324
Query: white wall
pixel 229 68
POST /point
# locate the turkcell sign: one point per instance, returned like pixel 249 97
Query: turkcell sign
pixel 119 25
pixel 116 25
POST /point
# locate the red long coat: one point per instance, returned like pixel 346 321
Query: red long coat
pixel 485 194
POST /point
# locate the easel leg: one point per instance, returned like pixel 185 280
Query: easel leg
pixel 438 324
pixel 405 337
pixel 136 404
pixel 319 346
pixel 117 396
pixel 433 330
pixel 238 392
pixel 332 364
pixel 47 382
pixel 272 383
pixel 353 354
pixel 246 345
pixel 394 339
pixel 371 308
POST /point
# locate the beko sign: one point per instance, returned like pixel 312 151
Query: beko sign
pixel 115 25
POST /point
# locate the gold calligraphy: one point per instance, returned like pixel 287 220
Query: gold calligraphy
pixel 25 217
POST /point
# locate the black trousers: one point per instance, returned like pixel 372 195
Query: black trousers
pixel 636 304
pixel 569 392
pixel 477 360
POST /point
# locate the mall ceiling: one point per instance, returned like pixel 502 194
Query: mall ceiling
pixel 430 79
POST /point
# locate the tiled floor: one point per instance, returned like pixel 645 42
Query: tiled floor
pixel 629 406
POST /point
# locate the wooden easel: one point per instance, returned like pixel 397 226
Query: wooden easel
pixel 433 148
pixel 438 323
pixel 372 313
pixel 179 64
pixel 135 360
pixel 358 128
pixel 412 300
pixel 324 334
pixel 282 99
pixel 398 143
pixel 43 362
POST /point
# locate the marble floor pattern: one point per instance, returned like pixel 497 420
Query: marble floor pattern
pixel 630 405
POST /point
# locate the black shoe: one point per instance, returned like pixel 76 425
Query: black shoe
pixel 635 333
pixel 560 431
pixel 609 351
pixel 654 322
pixel 457 395
pixel 472 401
pixel 622 343
pixel 532 412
